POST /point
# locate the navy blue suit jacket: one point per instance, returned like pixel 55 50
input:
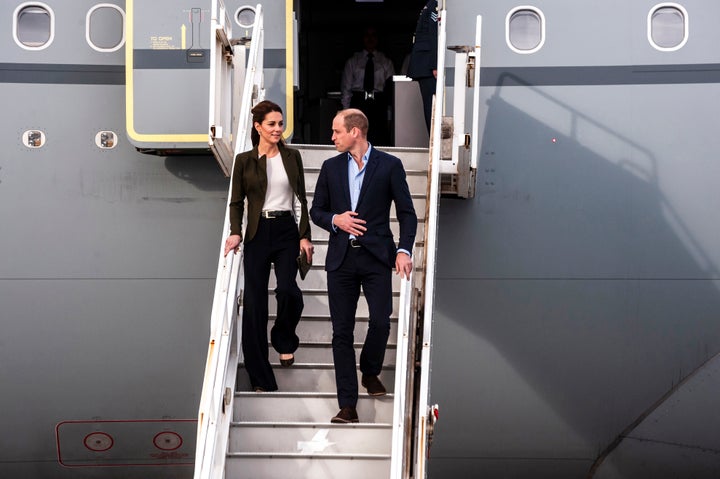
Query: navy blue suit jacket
pixel 423 57
pixel 384 183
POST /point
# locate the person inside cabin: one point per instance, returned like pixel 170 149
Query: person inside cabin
pixel 271 178
pixel 365 85
pixel 422 66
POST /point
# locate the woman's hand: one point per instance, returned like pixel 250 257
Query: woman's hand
pixel 307 247
pixel 232 243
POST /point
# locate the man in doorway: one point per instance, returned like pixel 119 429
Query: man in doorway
pixel 423 57
pixel 363 86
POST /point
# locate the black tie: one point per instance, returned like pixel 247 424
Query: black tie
pixel 369 80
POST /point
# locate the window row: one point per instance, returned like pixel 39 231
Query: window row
pixel 667 28
pixel 105 140
pixel 34 25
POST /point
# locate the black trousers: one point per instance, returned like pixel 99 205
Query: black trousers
pixel 276 242
pixel 359 269
pixel 427 90
pixel 376 111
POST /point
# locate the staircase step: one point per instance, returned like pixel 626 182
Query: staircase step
pixel 307 407
pixel 313 156
pixel 321 352
pixel 308 378
pixel 310 438
pixel 303 466
pixel 416 179
pixel 318 329
pixel 317 279
pixel 316 304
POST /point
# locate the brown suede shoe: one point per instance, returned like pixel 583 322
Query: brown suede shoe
pixel 373 385
pixel 346 415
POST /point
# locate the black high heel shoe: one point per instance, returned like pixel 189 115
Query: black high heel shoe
pixel 286 363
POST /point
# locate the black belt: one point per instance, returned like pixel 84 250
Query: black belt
pixel 274 214
pixel 354 243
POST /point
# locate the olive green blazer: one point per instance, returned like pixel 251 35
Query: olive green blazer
pixel 249 181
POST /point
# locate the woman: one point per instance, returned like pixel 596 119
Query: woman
pixel 271 178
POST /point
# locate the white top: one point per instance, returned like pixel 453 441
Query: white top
pixel 279 194
pixel 354 74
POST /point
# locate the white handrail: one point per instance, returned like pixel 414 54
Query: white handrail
pixel 431 228
pixel 402 361
pixel 216 402
pixel 475 140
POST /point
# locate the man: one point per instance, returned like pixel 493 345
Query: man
pixel 363 86
pixel 353 195
pixel 423 58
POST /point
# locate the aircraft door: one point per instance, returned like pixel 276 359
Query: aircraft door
pixel 167 82
pixel 227 74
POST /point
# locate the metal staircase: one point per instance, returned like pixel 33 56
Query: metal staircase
pixel 289 431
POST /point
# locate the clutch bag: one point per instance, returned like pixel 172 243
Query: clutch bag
pixel 303 265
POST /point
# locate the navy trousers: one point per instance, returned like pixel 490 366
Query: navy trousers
pixel 359 269
pixel 276 242
pixel 427 90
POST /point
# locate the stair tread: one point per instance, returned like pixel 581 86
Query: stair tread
pixel 299 365
pixel 316 317
pixel 317 425
pixel 303 394
pixel 333 455
pixel 315 344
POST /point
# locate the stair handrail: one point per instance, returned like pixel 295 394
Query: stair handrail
pixel 216 401
pixel 422 408
pixel 403 360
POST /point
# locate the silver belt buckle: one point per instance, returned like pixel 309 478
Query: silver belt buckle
pixel 354 243
pixel 266 214
pixel 369 95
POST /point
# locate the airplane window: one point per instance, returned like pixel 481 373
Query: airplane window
pixel 245 17
pixel 525 30
pixel 667 27
pixel 106 140
pixel 105 28
pixel 33 26
pixel 33 138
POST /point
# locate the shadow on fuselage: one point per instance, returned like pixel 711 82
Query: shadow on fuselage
pixel 201 171
pixel 573 287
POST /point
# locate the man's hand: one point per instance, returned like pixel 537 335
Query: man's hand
pixel 232 243
pixel 349 223
pixel 403 265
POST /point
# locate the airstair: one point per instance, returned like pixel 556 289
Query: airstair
pixel 272 434
pixel 288 433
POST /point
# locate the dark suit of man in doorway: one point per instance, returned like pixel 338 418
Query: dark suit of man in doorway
pixel 423 58
pixel 353 196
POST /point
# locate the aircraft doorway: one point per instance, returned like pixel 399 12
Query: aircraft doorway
pixel 329 32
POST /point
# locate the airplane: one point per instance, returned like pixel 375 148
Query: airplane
pixel 573 295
